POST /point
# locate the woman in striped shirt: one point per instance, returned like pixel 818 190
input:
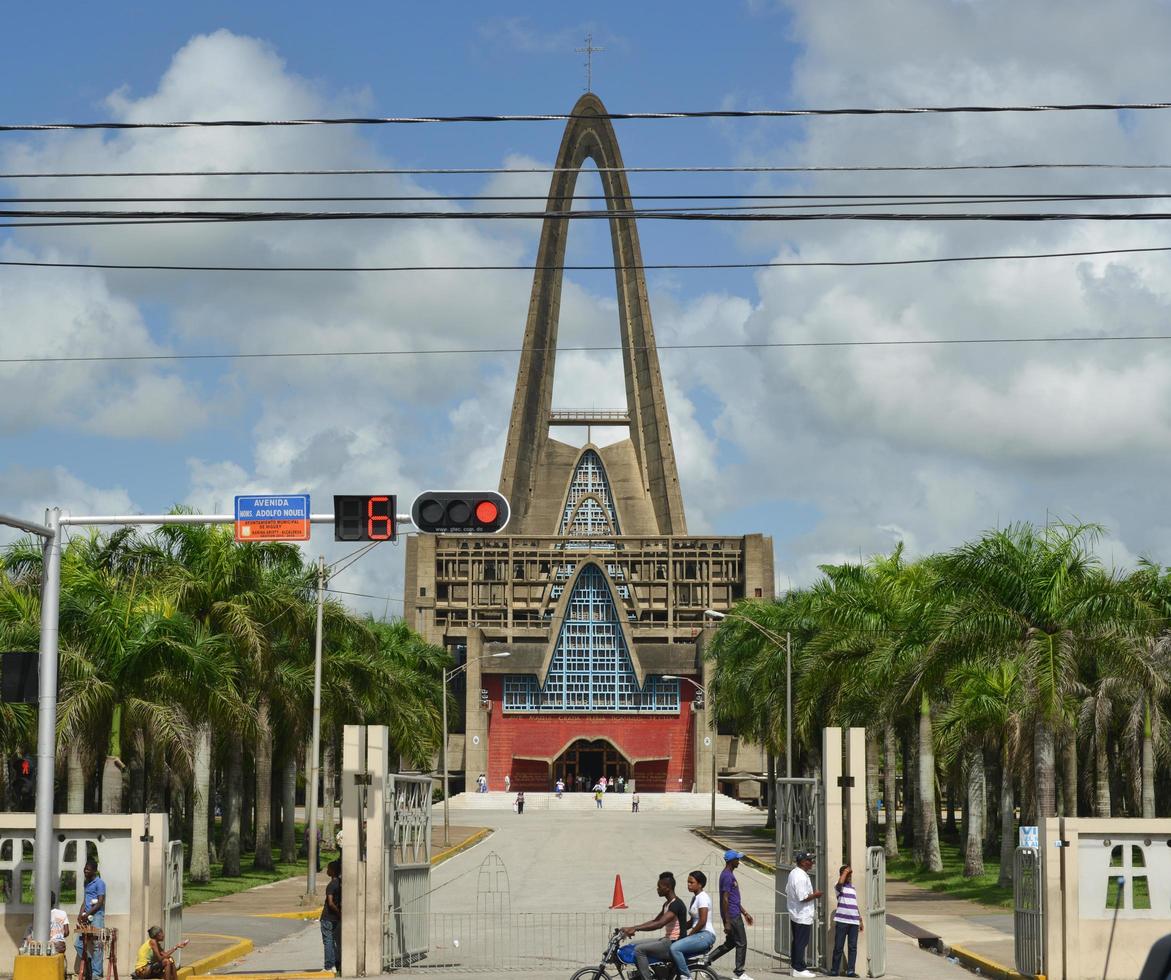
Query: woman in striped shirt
pixel 847 923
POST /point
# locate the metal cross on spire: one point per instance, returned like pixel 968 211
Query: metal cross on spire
pixel 589 51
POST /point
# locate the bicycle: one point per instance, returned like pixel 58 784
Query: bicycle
pixel 663 970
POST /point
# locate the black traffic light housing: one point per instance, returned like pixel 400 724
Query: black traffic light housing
pixel 460 512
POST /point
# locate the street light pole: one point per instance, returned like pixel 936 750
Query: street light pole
pixel 44 843
pixel 446 675
pixel 315 748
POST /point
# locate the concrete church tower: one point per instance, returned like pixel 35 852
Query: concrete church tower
pixel 537 469
pixel 596 592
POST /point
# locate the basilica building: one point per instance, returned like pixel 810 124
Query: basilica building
pixel 582 627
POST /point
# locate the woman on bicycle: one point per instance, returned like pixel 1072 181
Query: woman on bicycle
pixel 701 932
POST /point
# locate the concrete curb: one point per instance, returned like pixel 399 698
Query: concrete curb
pixel 273 975
pixel 747 859
pixel 464 845
pixel 305 914
pixel 987 967
pixel 240 947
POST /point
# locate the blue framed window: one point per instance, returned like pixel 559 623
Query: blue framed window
pixel 590 488
pixel 591 668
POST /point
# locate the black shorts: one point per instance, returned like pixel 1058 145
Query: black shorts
pixel 152 971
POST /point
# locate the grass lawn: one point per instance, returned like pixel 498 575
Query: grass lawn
pixel 951 879
pixel 219 886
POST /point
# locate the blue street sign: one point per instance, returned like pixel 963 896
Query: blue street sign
pixel 272 517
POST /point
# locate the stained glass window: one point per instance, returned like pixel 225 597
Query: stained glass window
pixel 596 516
pixel 591 668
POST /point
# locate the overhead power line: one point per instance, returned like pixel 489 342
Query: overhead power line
pixel 762 345
pixel 566 116
pixel 100 218
pixel 600 267
pixel 483 171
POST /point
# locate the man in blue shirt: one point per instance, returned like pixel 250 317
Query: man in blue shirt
pixel 733 915
pixel 93 913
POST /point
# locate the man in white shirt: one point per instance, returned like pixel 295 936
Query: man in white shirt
pixel 802 898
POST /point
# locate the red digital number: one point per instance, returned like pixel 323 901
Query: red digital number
pixel 379 527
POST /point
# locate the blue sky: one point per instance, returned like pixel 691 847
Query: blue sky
pixel 833 453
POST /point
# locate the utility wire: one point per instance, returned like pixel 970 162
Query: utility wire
pixel 483 171
pixel 566 116
pixel 992 197
pixel 762 345
pixel 601 267
pixel 100 218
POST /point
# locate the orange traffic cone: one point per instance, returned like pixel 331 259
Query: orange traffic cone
pixel 619 899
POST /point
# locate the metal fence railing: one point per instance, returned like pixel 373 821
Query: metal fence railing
pixel 476 942
pixel 1028 919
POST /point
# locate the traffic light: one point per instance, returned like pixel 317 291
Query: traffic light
pixel 365 518
pixel 18 676
pixel 460 512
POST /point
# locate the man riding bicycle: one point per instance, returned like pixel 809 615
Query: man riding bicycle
pixel 672 918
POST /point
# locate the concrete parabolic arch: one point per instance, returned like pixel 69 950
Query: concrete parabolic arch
pixel 589 135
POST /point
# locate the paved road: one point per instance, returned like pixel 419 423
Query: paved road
pixel 566 863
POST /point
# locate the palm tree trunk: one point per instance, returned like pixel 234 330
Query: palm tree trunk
pixel 327 824
pixel 75 781
pixel 1148 764
pixel 890 792
pixel 289 808
pixel 1044 769
pixel 112 785
pixel 200 870
pixel 926 812
pixel 1101 777
pixel 910 789
pixel 873 753
pixel 770 820
pixel 1007 819
pixel 138 772
pixel 974 812
pixel 248 804
pixel 1069 775
pixel 233 803
pixel 263 860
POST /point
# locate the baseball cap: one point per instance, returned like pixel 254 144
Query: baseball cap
pixel 803 856
pixel 730 855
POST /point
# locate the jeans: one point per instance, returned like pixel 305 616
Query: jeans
pixel 693 945
pixel 842 932
pixel 800 932
pixel 98 920
pixel 648 950
pixel 737 938
pixel 331 939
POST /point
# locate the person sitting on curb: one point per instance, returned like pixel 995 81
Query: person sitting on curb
pixel 153 961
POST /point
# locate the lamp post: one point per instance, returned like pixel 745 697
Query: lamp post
pixel 710 705
pixel 447 674
pixel 788 644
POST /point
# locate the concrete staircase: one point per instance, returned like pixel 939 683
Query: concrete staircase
pixel 674 802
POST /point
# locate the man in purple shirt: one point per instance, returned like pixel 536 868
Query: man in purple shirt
pixel 734 916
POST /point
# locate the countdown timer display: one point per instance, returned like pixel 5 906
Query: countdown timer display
pixel 365 518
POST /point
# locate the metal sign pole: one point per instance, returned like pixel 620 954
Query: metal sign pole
pixel 44 842
pixel 315 748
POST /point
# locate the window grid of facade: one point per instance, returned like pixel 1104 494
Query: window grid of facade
pixel 591 668
pixel 593 518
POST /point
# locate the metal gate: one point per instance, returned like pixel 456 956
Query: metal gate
pixel 800 827
pixel 406 870
pixel 876 911
pixel 173 897
pixel 1028 912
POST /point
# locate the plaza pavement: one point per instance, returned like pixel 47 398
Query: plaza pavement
pixel 566 862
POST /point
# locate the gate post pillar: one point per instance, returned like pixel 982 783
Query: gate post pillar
pixel 835 844
pixel 378 900
pixel 854 792
pixel 353 858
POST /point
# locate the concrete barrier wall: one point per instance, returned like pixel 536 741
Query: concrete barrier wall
pixel 1081 857
pixel 133 870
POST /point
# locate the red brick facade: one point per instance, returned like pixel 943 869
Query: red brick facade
pixel 523 746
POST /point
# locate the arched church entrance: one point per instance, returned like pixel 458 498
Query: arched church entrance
pixel 590 760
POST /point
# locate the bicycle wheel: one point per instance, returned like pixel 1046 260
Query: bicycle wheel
pixel 590 973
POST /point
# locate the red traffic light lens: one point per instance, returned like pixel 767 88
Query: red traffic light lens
pixel 487 511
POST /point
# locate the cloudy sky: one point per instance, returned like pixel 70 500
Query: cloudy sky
pixel 835 452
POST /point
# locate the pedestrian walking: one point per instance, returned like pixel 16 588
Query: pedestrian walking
pixel 733 915
pixel 602 783
pixel 801 898
pixel 634 803
pixel 847 923
pixel 507 784
pixel 621 784
pixel 331 918
pixel 520 802
pixel 598 795
pixel 481 783
pixel 93 913
pixel 560 788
